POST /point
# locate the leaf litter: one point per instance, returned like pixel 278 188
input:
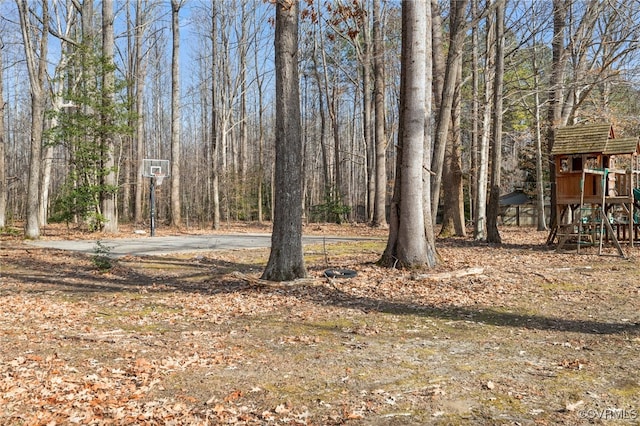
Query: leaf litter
pixel 510 334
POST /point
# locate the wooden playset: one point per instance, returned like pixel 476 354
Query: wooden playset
pixel 597 187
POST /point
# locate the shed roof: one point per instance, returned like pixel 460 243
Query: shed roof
pixel 582 139
pixel 515 198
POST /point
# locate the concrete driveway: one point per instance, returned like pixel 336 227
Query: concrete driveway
pixel 179 244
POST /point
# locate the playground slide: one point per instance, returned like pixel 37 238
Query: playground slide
pixel 636 202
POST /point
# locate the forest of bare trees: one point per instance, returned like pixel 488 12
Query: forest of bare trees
pixel 90 88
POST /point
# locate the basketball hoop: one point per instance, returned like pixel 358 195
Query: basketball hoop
pixel 159 178
pixel 156 170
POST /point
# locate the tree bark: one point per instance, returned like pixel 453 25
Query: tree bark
pixel 475 115
pixel 3 170
pixel 493 234
pixel 286 261
pixel 243 155
pixel 367 114
pixel 408 245
pixel 540 210
pixel 260 180
pixel 380 199
pixel 140 67
pixel 176 219
pixel 458 10
pixel 480 225
pixel 554 113
pixel 453 222
pixel 214 150
pixel 326 175
pixel 109 193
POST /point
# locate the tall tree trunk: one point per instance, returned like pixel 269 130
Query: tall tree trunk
pixel 334 114
pixel 480 225
pixel 215 169
pixel 408 245
pixel 369 127
pixel 109 193
pixel 458 10
pixel 427 157
pixel 286 261
pixel 176 219
pixel 59 84
pixel 335 191
pixel 3 170
pixel 36 68
pixel 128 147
pixel 540 210
pixel 140 68
pixel 493 234
pixel 554 116
pixel 323 119
pixel 260 182
pixel 438 55
pixel 243 160
pixel 453 203
pixel 475 115
pixel 47 165
pixel 380 203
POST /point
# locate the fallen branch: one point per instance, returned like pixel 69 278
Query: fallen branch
pixel 452 274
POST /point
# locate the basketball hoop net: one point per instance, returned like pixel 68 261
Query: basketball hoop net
pixel 159 178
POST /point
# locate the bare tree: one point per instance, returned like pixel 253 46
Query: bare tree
pixel 410 244
pixel 243 143
pixel 175 114
pixel 453 222
pixel 286 261
pixel 63 24
pixel 493 235
pixel 215 116
pixel 3 170
pixel 109 194
pixel 36 57
pixel 480 225
pixel 140 64
pixel 380 203
pixel 537 123
pixel 457 36
pixel 475 115
pixel 260 82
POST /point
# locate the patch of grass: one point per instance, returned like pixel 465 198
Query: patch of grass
pixel 561 286
pixel 10 231
pixel 627 389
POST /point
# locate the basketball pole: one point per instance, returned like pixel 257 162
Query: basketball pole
pixel 152 205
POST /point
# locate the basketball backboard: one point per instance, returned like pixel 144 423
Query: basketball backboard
pixel 155 168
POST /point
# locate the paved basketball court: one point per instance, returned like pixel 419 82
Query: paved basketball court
pixel 145 246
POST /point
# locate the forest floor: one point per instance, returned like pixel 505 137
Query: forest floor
pixel 514 334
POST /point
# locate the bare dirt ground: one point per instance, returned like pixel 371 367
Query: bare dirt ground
pixel 527 337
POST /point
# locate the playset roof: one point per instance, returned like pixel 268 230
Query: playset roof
pixel 592 138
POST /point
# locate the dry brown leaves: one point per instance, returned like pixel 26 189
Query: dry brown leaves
pixel 82 347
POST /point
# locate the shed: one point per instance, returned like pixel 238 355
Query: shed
pixel 517 208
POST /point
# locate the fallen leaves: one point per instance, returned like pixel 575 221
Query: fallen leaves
pixel 62 394
pixel 183 340
pixel 573 364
